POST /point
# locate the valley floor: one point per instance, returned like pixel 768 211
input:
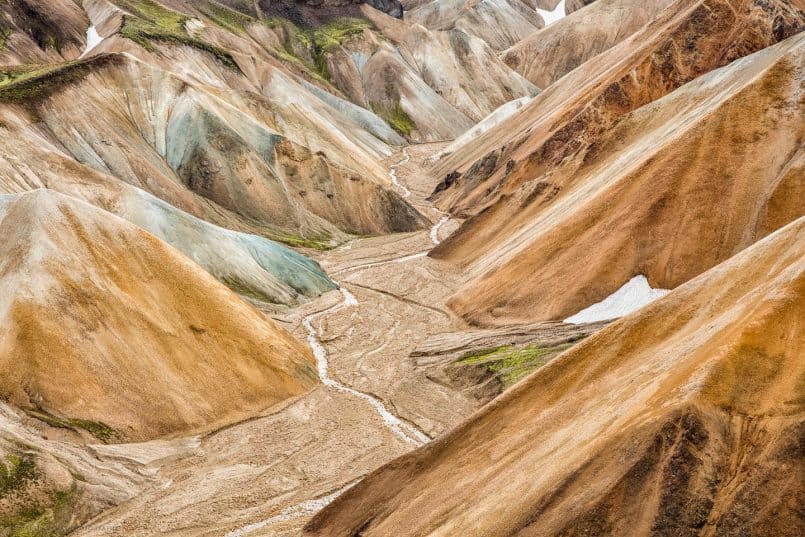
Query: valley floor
pixel 270 474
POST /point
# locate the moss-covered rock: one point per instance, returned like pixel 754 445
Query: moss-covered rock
pixel 147 22
pixel 510 364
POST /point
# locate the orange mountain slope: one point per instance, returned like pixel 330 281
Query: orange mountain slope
pixel 103 322
pixel 693 405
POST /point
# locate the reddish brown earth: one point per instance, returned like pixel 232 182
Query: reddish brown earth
pixel 620 207
pixel 167 368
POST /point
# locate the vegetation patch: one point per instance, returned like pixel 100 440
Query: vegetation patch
pixel 147 22
pixel 396 117
pixel 29 83
pixel 98 429
pixel 49 517
pixel 330 36
pixel 242 289
pixel 4 33
pixel 310 46
pixel 321 243
pixel 510 364
pixel 226 17
pixel 15 472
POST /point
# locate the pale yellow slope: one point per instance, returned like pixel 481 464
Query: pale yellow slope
pixel 102 321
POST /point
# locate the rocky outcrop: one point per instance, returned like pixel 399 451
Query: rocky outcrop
pixel 483 363
pixel 389 7
pixel 575 5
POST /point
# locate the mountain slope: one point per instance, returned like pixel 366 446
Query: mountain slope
pixel 547 55
pixel 675 188
pixel 694 405
pixel 501 23
pixel 687 40
pixel 99 317
pixel 433 85
pixel 247 263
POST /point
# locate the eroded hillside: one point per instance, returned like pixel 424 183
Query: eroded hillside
pixel 419 267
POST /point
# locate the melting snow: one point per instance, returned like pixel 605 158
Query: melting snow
pixel 552 16
pixel 634 294
pixel 434 231
pixel 93 40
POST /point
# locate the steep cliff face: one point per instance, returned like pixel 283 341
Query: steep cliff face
pixel 692 405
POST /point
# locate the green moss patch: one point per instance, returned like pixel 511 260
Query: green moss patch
pixel 321 242
pixel 15 472
pixel 510 364
pixel 396 117
pixel 4 33
pixel 310 46
pixel 225 17
pixel 148 22
pixel 48 517
pixel 29 83
pixel 98 429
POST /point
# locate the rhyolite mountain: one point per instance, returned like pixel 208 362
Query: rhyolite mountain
pixel 402 267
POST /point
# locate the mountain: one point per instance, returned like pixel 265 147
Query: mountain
pixel 500 23
pixel 692 405
pixel 431 85
pixel 687 40
pixel 402 267
pixel 547 55
pixel 625 207
pixel 100 316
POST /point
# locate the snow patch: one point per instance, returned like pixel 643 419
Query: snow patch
pixel 93 40
pixel 552 16
pixel 434 231
pixel 634 294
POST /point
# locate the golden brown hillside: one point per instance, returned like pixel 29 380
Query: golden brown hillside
pixel 673 189
pixel 103 323
pixel 686 418
pixel 688 39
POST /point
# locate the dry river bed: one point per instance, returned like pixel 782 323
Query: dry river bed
pixel 270 474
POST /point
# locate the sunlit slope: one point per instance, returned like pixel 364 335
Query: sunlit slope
pixel 664 193
pixel 104 322
pixel 685 418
